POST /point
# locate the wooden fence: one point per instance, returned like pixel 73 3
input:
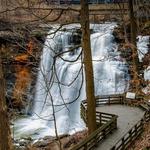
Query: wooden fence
pixel 129 137
pixel 107 122
pixel 110 99
pixel 146 107
pixel 134 132
pixel 93 139
pixel 101 117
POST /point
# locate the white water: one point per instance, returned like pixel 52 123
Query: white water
pixel 146 90
pixel 110 76
pixel 142 45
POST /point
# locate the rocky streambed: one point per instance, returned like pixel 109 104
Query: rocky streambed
pixel 50 143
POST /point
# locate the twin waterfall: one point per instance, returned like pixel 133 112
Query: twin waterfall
pixel 60 83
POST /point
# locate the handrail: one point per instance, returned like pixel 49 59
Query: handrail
pixel 101 117
pixel 147 115
pixel 146 107
pixel 98 135
pixel 107 122
pixel 131 135
pixel 107 99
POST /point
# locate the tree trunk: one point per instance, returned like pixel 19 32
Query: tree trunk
pixel 135 58
pixel 5 137
pixel 133 23
pixel 89 80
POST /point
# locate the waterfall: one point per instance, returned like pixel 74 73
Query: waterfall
pixel 143 49
pixel 61 83
pixel 142 45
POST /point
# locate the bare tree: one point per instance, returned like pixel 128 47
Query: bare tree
pixel 135 58
pixel 5 136
pixel 91 106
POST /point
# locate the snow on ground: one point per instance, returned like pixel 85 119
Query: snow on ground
pixel 142 45
pixel 147 78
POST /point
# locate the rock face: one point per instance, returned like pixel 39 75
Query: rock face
pixel 119 35
pixel 122 32
pixel 20 57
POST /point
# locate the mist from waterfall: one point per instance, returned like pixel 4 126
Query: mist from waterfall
pixel 61 83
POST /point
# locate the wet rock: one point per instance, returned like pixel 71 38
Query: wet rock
pixel 119 35
pixel 23 143
pixel 146 60
pixel 19 148
pixel 40 144
pixel 52 143
pixel 49 137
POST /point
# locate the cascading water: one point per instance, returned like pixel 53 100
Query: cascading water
pixel 143 49
pixel 142 45
pixel 61 83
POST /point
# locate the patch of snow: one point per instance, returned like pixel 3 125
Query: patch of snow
pixel 146 90
pixel 142 45
pixel 147 73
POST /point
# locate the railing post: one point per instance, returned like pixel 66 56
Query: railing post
pixel 96 140
pixel 100 119
pixel 85 146
pixel 109 100
pixel 142 124
pixel 124 98
pixel 149 115
pixel 103 134
pixel 130 135
pixel 123 143
pixel 115 123
pixel 121 100
pixel 86 116
pixel 135 129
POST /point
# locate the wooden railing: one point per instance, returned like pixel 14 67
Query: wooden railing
pixel 135 131
pixel 110 99
pixel 101 117
pixel 147 116
pixel 93 139
pixel 107 122
pixel 107 99
pixel 146 107
pixel 129 137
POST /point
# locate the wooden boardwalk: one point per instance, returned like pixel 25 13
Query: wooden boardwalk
pixel 119 123
pixel 127 118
